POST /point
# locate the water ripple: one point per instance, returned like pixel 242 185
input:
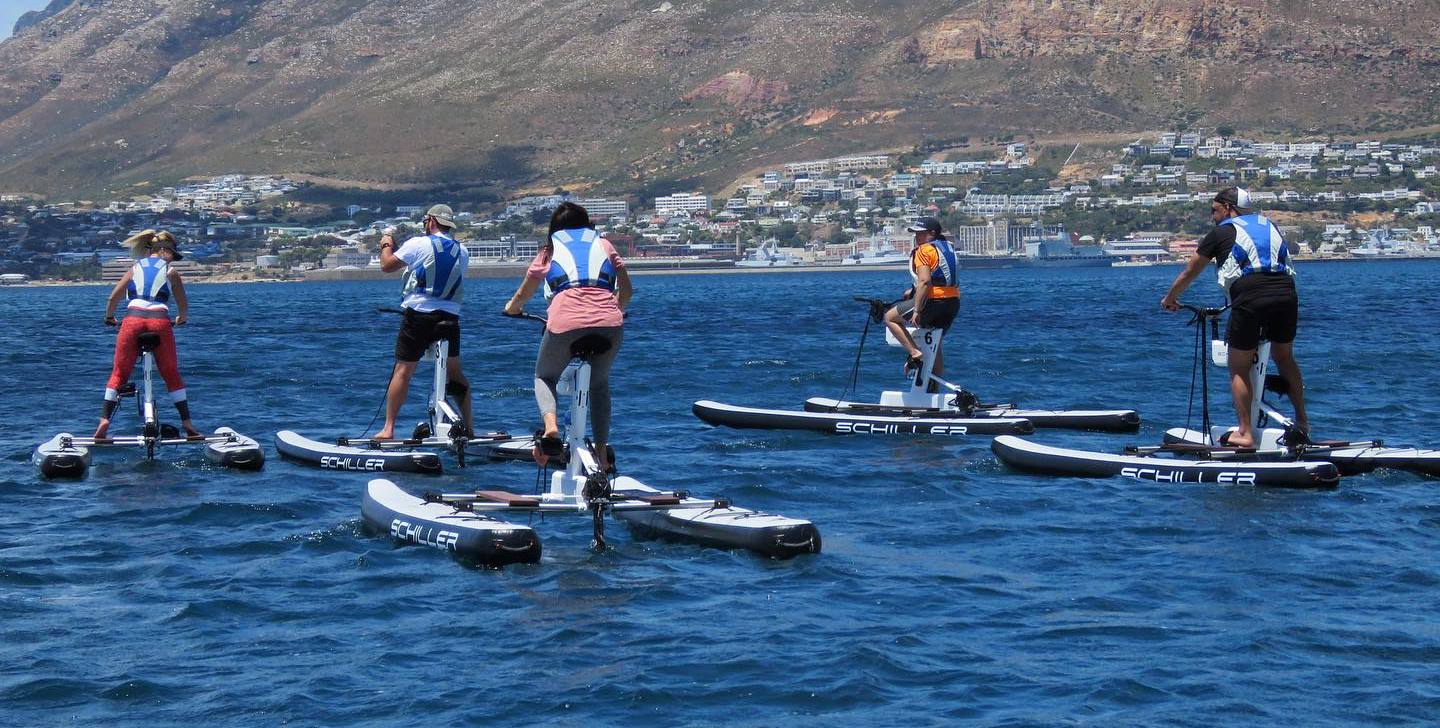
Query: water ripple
pixel 951 588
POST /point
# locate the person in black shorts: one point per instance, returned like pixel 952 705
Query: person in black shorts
pixel 435 266
pixel 1254 268
pixel 419 330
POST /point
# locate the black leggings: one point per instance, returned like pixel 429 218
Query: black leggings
pixel 555 356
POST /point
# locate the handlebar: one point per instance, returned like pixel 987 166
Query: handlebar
pixel 1203 312
pixel 113 321
pixel 877 307
pixel 524 315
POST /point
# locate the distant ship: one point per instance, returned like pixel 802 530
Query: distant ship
pixel 1041 250
pixel 879 253
pixel 768 255
pixel 1059 252
pixel 1380 243
pixel 1136 252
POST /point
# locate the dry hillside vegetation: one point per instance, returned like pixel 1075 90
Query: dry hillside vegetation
pixel 105 92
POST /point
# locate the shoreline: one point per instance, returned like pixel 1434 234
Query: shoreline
pixel 501 271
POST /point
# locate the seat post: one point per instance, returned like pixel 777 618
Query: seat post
pixel 928 341
pixel 440 350
pixel 148 366
pixel 1258 370
pixel 579 374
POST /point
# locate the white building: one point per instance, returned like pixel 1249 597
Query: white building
pixel 839 164
pixel 681 203
pixel 601 207
pixel 989 205
pixel 481 250
pixel 979 239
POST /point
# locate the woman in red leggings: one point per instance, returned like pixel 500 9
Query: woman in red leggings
pixel 149 284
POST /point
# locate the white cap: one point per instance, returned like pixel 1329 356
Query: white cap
pixel 1242 198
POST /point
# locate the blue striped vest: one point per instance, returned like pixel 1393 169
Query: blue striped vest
pixel 150 281
pixel 440 276
pixel 579 260
pixel 1259 248
pixel 946 270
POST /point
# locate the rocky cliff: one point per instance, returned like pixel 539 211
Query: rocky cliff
pixel 106 92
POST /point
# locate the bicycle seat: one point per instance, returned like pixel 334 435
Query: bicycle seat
pixel 149 341
pixel 589 345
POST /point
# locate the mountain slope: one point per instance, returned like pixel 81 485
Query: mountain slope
pixel 390 91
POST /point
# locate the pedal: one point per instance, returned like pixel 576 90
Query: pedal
pixel 609 456
pixel 421 431
pixel 597 487
pixel 168 430
pixel 965 401
pixel 126 390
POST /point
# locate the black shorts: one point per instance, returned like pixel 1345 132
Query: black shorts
pixel 1271 318
pixel 938 313
pixel 419 330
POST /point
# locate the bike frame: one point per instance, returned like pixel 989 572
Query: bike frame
pixel 568 484
pixel 441 415
pixel 1260 410
pixel 918 396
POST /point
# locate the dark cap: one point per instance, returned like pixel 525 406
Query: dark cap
pixel 1233 197
pixel 925 225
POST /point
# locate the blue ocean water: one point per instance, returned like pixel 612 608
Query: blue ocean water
pixel 950 589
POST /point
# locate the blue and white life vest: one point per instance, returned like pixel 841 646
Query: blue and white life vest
pixel 149 287
pixel 1259 248
pixel 439 276
pixel 946 270
pixel 579 260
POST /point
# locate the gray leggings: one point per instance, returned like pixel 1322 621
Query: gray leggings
pixel 551 363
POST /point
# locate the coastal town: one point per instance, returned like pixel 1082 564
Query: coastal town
pixel 1004 203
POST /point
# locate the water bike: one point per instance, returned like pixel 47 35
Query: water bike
pixel 1281 441
pixel 468 524
pixel 1175 461
pixel 931 405
pixel 931 396
pixel 442 429
pixel 68 456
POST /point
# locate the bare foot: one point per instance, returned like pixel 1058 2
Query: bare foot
pixel 101 431
pixel 190 430
pixel 385 435
pixel 1237 441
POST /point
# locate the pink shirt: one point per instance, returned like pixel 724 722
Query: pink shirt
pixel 583 307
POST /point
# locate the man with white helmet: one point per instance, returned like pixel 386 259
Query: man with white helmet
pixel 1254 269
